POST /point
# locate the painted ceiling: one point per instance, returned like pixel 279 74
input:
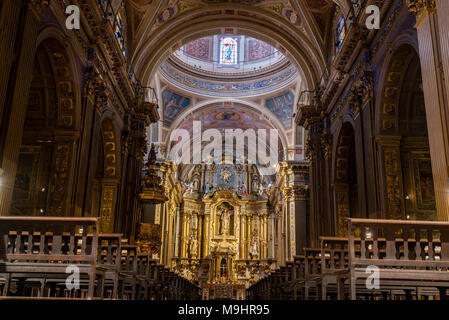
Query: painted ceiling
pixel 230 88
pixel 308 15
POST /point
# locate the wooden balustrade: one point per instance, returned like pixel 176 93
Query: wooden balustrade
pixel 409 256
pixel 36 252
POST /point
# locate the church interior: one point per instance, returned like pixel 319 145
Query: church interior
pixel 224 149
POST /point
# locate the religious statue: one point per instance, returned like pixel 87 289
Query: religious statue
pixel 255 184
pixel 196 185
pixel 225 222
pixel 254 249
pixel 193 247
pixel 226 175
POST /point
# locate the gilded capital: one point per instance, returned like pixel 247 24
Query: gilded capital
pixel 418 7
pixel 39 4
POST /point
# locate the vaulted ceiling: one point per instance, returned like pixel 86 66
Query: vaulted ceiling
pixel 298 27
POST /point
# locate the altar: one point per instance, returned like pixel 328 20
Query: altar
pixel 225 232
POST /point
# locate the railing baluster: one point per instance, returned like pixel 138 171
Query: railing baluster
pixel 430 251
pixel 418 250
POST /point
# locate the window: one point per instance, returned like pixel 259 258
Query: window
pixel 340 32
pixel 118 31
pixel 228 51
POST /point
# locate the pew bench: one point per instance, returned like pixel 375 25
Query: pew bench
pixel 407 253
pixel 43 249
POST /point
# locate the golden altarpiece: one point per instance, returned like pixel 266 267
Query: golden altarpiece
pixel 216 227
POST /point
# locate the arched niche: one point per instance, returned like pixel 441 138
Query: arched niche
pixel 406 180
pixel 44 177
pixel 345 179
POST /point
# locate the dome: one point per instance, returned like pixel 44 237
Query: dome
pixel 228 66
pixel 229 55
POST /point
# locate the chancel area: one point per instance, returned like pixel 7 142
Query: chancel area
pixel 226 149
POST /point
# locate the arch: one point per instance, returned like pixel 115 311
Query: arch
pixel 253 22
pixel 405 168
pixel 392 71
pixel 254 107
pixel 66 69
pixel 50 130
pixel 345 178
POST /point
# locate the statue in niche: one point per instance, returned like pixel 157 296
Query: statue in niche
pixel 254 249
pixel 193 246
pixel 255 184
pixel 226 175
pixel 225 220
pixel 196 183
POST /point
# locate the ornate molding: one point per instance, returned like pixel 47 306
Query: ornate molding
pixel 300 193
pixel 419 7
pixel 38 5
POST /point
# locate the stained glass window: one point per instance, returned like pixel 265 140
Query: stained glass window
pixel 341 32
pixel 118 31
pixel 103 4
pixel 228 51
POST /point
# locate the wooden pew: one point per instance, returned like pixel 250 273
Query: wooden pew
pixel 128 270
pixel 407 253
pixel 109 258
pixel 298 281
pixel 144 275
pixel 312 272
pixel 43 248
pixel 334 263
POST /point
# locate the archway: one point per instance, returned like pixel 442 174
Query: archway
pixel 345 179
pixel 44 173
pixel 254 22
pixel 405 166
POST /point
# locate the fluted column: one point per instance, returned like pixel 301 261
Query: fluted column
pixel 243 237
pixel 248 234
pixel 433 35
pixel 271 236
pixel 206 230
pixel 177 232
pixel 11 130
pixel 311 118
pixel 199 234
pixel 9 23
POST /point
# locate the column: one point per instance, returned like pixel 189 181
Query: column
pixel 243 238
pixel 433 35
pixel 310 118
pixel 200 234
pixel 299 211
pixel 248 234
pixel 206 230
pixel 271 235
pixel 177 232
pixel 9 25
pixel 12 130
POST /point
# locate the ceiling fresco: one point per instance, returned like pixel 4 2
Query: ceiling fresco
pixel 173 105
pixel 229 88
pixel 318 12
pixel 282 107
pixel 224 116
